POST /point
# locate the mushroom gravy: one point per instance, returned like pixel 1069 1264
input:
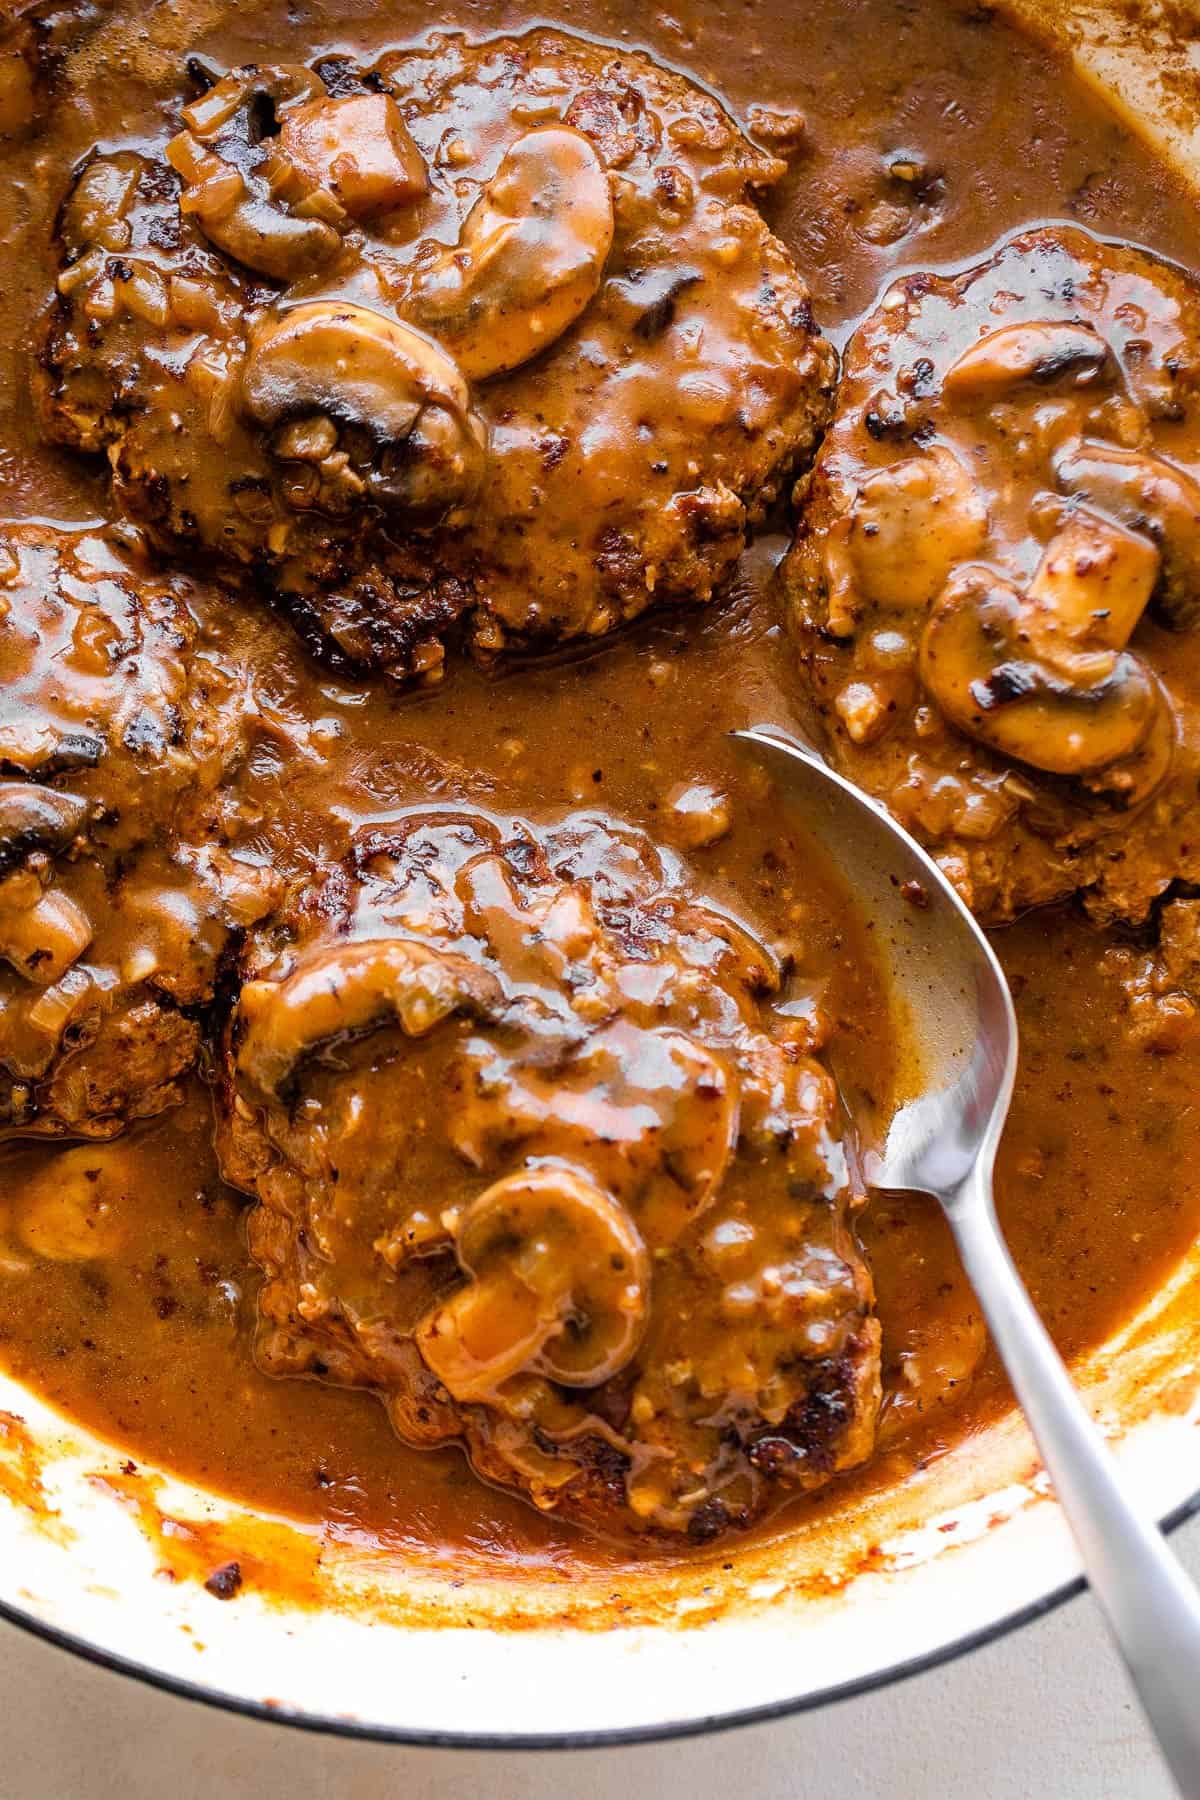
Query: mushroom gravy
pixel 914 151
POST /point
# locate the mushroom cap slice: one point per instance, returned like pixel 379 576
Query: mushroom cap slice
pixel 81 1205
pixel 910 524
pixel 346 991
pixel 1068 710
pixel 558 1286
pixel 657 1108
pixel 223 154
pixel 529 259
pixel 361 368
pixel 1046 353
pixel 249 90
pixel 1092 585
pixel 33 817
pixel 1151 494
pixel 240 222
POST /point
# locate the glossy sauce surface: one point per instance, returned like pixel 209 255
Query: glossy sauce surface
pixel 153 1347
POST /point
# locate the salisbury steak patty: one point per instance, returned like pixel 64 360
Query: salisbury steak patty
pixel 118 886
pixel 484 341
pixel 541 1155
pixel 996 582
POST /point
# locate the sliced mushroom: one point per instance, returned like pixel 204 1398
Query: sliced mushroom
pixel 36 818
pixel 1152 494
pixel 558 1286
pixel 1092 585
pixel 910 524
pixel 362 369
pixel 1045 353
pixel 76 1207
pixel 359 148
pixel 245 106
pixel 349 990
pixel 657 1109
pixel 235 184
pixel 530 257
pixel 1039 675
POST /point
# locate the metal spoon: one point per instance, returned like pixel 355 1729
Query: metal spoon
pixel 943 1143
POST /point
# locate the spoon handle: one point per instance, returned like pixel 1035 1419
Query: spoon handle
pixel 1152 1608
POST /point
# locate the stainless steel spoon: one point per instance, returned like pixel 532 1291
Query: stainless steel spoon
pixel 943 1142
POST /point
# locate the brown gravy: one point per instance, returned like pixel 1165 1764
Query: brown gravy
pixel 153 1351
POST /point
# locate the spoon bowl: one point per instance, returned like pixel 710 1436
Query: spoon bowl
pixel 956 1017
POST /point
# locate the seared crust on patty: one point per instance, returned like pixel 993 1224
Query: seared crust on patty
pixel 551 247
pixel 542 1155
pixel 120 885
